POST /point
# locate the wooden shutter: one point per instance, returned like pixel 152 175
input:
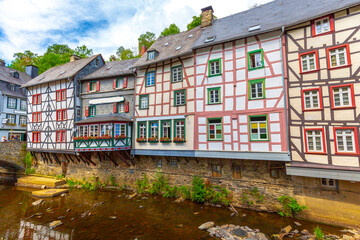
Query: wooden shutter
pixel 114 84
pixel 98 86
pixel 88 87
pixel 125 83
pixel 86 111
pixel 115 107
pixel 126 106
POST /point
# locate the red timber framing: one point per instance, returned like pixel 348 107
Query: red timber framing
pixel 237 108
pixel 339 94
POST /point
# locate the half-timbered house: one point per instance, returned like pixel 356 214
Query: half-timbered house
pixel 323 66
pixel 53 100
pixel 107 109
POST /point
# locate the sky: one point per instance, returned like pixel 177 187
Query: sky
pixel 102 25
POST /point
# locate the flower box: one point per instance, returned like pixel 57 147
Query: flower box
pixel 105 137
pixel 23 125
pixel 10 124
pixel 178 140
pixel 141 139
pixel 122 136
pixel 152 139
pixel 165 139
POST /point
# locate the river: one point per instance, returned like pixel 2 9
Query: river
pixel 90 215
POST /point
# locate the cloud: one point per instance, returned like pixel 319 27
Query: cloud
pixel 101 25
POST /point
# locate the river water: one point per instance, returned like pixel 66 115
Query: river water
pixel 90 215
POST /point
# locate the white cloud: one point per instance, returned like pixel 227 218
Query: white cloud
pixel 100 25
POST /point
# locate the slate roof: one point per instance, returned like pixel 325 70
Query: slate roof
pixel 4 89
pixel 61 72
pixel 111 69
pixel 169 51
pixel 105 118
pixel 271 16
pixel 6 76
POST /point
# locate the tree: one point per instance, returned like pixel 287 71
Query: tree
pixel 146 39
pixel 83 51
pixel 196 21
pixel 23 59
pixel 122 54
pixel 172 29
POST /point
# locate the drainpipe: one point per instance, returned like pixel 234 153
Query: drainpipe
pixel 133 132
pixel 285 88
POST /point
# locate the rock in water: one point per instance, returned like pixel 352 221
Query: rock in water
pixel 113 217
pixel 206 226
pixel 297 224
pixel 286 229
pixel 239 232
pixel 305 232
pixel 132 196
pixel 54 224
pixel 261 236
pixel 37 202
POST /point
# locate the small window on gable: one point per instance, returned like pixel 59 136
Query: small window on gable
pixel 16 75
pixel 255 59
pixel 150 55
pixel 323 25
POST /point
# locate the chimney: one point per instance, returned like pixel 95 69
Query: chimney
pixel 2 63
pixel 143 50
pixel 32 71
pixel 207 16
pixel 74 58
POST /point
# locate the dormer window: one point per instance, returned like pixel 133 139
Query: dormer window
pixel 210 39
pixel 15 74
pixel 12 87
pixel 97 62
pixel 323 25
pixel 150 55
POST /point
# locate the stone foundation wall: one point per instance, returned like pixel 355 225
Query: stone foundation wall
pixel 13 152
pixel 254 174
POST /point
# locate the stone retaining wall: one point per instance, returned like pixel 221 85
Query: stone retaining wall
pixel 13 152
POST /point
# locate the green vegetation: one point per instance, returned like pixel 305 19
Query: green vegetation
pixel 290 206
pixel 257 195
pixel 198 191
pixel 60 176
pixel 319 235
pixel 28 163
pixel 196 21
pixel 111 181
pixel 245 199
pixel 172 29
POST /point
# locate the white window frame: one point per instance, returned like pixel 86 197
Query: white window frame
pixel 12 103
pixel 154 129
pixel 180 98
pixel 22 120
pixel 305 61
pixel 336 53
pixel 341 96
pixel 258 128
pixel 120 129
pixel 311 134
pixel 94 130
pixel 83 131
pixel 327 183
pixel 311 97
pixel 119 83
pixel 343 138
pixel 142 130
pixel 92 111
pixel 121 107
pixel 180 128
pixel 177 74
pixel 257 90
pixel 11 118
pixel 215 67
pixel 144 102
pixel 214 96
pixel 166 128
pixel 23 105
pixel 322 26
pixel 105 129
pixel 151 55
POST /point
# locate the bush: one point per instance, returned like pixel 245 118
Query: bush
pixel 142 184
pixel 112 181
pixel 319 235
pixel 258 196
pixel 290 206
pixel 198 190
pixel 171 192
pixel 159 185
pixel 28 162
pixel 185 192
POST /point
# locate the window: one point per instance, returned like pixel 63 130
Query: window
pixel 180 97
pixel 121 107
pixel 179 131
pixel 214 96
pixel 150 55
pixel 36 136
pixel 338 56
pixel 120 129
pixel 11 103
pixel 255 59
pixel 92 111
pixel 61 95
pixel 83 131
pixel 159 163
pixel 93 86
pixel 311 99
pixel 346 140
pixel 215 67
pixel 93 130
pixel 119 83
pixel 258 128
pixel 309 62
pixel 142 130
pixel 60 136
pixel 216 170
pixel 342 96
pixel 105 130
pixel 153 133
pixel 173 162
pixel 176 74
pixel 11 118
pixel 329 184
pixel 323 25
pixel 12 87
pixel 215 129
pixel 36 116
pixel 257 89
pixel 36 99
pixel 23 105
pixel 166 130
pixel 22 120
pixel 61 115
pixel 144 102
pixel 314 140
pixel 236 171
pixel 150 79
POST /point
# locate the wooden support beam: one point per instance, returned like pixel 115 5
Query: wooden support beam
pixel 88 158
pixel 34 155
pixel 123 158
pixel 111 158
pixel 98 153
pixel 56 158
pixel 129 157
pixel 43 156
pixel 77 158
pixel 68 158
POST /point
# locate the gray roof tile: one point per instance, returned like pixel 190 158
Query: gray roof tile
pixel 6 75
pixel 105 118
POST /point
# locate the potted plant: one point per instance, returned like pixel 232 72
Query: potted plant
pixel 179 139
pixel 141 139
pixel 122 136
pixel 153 139
pixel 165 139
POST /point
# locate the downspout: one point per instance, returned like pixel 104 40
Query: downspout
pixel 134 123
pixel 285 88
pixel 73 128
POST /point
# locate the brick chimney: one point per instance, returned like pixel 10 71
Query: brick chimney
pixel 74 58
pixel 2 62
pixel 207 16
pixel 143 50
pixel 32 71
